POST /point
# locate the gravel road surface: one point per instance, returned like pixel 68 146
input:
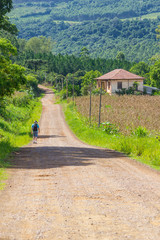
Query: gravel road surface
pixel 62 189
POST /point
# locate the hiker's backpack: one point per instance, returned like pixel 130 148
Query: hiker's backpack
pixel 35 128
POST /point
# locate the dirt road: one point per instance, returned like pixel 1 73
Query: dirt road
pixel 63 189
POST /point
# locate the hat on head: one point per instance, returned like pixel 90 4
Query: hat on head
pixel 35 122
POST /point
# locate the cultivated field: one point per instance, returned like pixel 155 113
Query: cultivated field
pixel 126 112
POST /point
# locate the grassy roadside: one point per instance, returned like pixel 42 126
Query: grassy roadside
pixel 15 127
pixel 144 149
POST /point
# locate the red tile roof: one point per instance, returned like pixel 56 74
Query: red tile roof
pixel 120 74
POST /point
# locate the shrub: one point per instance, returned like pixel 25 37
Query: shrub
pixel 97 91
pixel 21 101
pixel 32 83
pixel 109 128
pixel 140 131
pixel 155 92
pixel 63 94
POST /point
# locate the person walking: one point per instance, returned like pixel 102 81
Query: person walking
pixel 35 130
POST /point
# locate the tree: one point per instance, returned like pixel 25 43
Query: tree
pixel 11 75
pixel 39 45
pixel 84 53
pixel 7 26
pixel 120 56
pixel 5 7
pixel 89 81
pixel 142 69
pixel 35 64
pixel 32 83
pixel 155 74
pixel 158 32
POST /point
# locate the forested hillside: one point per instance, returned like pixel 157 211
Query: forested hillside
pixel 90 9
pixel 103 26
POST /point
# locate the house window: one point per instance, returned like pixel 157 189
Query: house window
pixel 109 85
pixel 119 85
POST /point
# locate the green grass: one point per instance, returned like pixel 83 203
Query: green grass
pixel 147 16
pixel 15 128
pixel 143 149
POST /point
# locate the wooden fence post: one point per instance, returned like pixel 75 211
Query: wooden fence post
pixel 62 82
pixel 66 87
pixel 73 88
pixel 100 104
pixel 90 105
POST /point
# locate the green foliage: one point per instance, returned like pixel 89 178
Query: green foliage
pixel 125 146
pixel 11 75
pixel 92 25
pixel 131 90
pixel 48 63
pixel 7 26
pixel 155 157
pixel 155 74
pixel 16 117
pixel 84 53
pixel 63 94
pixel 109 128
pixel 39 45
pixel 158 32
pixel 140 132
pixel 120 56
pixel 6 48
pixel 84 10
pixel 21 102
pixel 155 93
pixel 89 77
pixel 97 91
pixel 142 69
pixel 145 150
pixel 5 7
pixel 89 81
pixel 32 83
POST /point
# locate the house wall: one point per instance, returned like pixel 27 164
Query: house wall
pixel 125 84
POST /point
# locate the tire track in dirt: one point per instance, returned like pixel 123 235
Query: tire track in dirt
pixel 64 189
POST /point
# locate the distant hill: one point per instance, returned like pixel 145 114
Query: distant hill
pixel 97 24
pixel 79 10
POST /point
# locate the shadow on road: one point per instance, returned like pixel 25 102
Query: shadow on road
pixel 51 136
pixel 56 157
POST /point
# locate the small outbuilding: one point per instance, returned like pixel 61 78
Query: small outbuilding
pixel 118 79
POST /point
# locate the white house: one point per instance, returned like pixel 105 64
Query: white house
pixel 119 79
